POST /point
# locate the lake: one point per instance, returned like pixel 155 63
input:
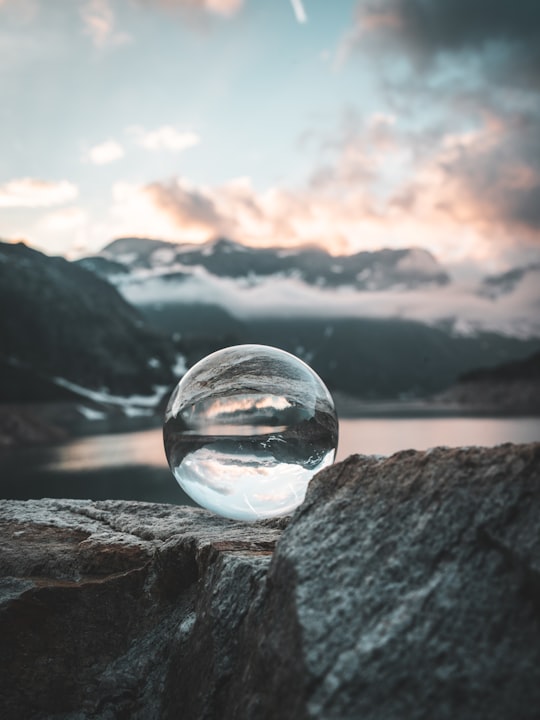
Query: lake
pixel 132 466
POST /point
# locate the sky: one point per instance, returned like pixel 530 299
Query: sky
pixel 351 124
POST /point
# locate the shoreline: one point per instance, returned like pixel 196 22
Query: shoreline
pixel 26 425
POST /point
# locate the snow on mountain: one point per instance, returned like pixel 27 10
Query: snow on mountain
pixel 224 258
pixel 308 282
pixel 457 308
pixel 58 320
pixel 375 324
pixel 262 282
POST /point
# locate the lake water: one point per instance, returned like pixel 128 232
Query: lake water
pixel 132 466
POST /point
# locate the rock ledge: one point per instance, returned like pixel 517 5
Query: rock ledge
pixel 403 587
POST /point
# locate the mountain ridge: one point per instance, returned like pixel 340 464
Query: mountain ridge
pixel 370 270
pixel 221 293
pixel 60 323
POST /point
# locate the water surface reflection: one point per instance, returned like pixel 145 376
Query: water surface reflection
pixel 132 466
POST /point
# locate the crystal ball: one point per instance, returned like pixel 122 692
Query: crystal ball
pixel 246 429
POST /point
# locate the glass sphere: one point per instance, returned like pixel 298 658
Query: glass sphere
pixel 246 429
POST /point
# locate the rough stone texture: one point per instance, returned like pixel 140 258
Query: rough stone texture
pixel 406 587
pixel 98 598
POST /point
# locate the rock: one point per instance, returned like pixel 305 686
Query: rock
pixel 412 591
pixel 403 587
pixel 97 598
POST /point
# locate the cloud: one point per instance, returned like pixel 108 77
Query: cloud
pixel 180 211
pixel 64 231
pixel 495 171
pixel 360 152
pixel 467 195
pixel 463 80
pixel 171 210
pixel 221 7
pixel 34 193
pixel 188 207
pixel 25 11
pixel 165 137
pixel 100 24
pixel 480 42
pixel 218 7
pixel 452 42
pixel 430 27
pixel 380 185
pixel 456 305
pixel 65 220
pixel 105 153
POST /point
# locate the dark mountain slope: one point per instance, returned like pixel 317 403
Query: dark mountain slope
pixel 181 290
pixel 59 320
pixel 526 369
pixel 511 388
pixel 376 359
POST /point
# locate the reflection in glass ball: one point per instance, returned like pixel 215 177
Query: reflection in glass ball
pixel 246 429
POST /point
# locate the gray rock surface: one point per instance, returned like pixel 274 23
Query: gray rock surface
pixel 404 587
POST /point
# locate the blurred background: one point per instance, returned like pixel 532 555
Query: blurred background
pixel 355 182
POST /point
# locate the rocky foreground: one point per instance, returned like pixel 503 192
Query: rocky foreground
pixel 403 588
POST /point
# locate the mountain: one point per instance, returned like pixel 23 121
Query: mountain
pixel 510 388
pixel 224 258
pixel 66 332
pixel 373 325
pixel 385 358
pixel 527 369
pixel 263 282
pixel 493 286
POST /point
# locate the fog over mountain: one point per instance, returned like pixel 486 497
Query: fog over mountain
pixel 314 266
pixel 116 328
pixel 253 282
pixel 493 286
pixel 382 324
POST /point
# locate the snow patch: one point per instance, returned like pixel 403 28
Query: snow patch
pixel 163 256
pixel 90 413
pixel 418 261
pixel 180 366
pixel 132 411
pixel 102 396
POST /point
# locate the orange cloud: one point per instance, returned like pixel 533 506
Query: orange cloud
pixel 431 211
pixel 477 180
pixel 379 186
pixel 100 24
pixel 218 7
pixel 32 192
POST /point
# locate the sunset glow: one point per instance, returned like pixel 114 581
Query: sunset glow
pixel 370 125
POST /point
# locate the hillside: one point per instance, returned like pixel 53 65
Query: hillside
pixel 63 325
pixel 511 388
pixel 354 318
pixel 386 358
